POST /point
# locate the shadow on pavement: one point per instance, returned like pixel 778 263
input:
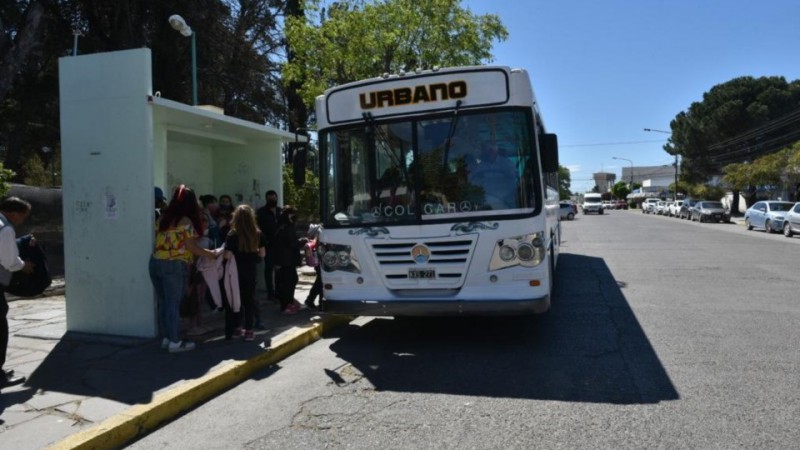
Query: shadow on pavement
pixel 131 371
pixel 588 348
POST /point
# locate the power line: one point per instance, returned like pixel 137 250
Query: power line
pixel 611 143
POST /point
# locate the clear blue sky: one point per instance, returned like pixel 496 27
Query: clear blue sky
pixel 604 70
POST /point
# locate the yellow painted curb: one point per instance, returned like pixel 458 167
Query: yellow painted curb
pixel 139 420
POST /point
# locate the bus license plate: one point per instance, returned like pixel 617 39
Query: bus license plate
pixel 421 274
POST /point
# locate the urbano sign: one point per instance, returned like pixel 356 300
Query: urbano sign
pixel 417 93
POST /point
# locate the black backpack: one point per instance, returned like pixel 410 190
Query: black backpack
pixel 34 283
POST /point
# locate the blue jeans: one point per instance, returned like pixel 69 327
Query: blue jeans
pixel 169 280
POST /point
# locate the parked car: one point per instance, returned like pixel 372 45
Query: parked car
pixel 706 211
pixel 661 208
pixel 648 205
pixel 567 210
pixel 767 214
pixel 791 222
pixel 686 208
pixel 621 204
pixel 675 208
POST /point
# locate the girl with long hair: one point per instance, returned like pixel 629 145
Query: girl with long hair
pixel 247 245
pixel 177 234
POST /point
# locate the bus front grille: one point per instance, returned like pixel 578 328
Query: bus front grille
pixel 446 265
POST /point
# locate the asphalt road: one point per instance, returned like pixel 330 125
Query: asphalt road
pixel 663 334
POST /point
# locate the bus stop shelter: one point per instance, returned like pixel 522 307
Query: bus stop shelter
pixel 120 139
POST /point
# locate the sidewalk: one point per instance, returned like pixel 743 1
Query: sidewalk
pixel 89 391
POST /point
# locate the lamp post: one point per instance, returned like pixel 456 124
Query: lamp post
pixel 675 192
pixel 178 24
pixel 631 162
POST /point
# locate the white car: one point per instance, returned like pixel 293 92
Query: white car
pixel 675 208
pixel 661 208
pixel 649 205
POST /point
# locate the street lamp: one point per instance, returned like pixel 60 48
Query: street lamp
pixel 657 131
pixel 631 162
pixel 178 24
pixel 675 192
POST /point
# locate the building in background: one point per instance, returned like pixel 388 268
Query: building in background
pixel 651 176
pixel 604 181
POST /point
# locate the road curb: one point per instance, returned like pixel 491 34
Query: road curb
pixel 140 420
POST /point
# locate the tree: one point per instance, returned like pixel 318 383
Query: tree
pixel 770 172
pixel 22 25
pixel 5 177
pixel 305 198
pixel 356 39
pixel 736 121
pixel 564 182
pixel 620 190
pixel 238 46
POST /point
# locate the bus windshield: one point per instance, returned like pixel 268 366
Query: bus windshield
pixel 449 167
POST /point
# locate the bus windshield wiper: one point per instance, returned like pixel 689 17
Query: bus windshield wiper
pixel 450 133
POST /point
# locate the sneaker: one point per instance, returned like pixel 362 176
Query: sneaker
pixel 180 346
pixel 249 335
pixel 164 343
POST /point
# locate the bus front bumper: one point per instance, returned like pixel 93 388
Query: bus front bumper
pixel 437 307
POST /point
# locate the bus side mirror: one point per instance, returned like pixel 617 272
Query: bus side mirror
pixel 548 145
pixel 299 167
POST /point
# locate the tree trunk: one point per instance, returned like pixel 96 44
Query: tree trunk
pixel 16 53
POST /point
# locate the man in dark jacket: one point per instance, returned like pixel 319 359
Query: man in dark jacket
pixel 286 248
pixel 267 217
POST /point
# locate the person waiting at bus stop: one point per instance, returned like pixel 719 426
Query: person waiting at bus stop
pixel 286 247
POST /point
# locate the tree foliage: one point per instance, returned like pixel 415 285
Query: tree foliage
pixel 238 46
pixel 736 121
pixel 770 173
pixel 564 182
pixel 6 176
pixel 305 198
pixel 620 190
pixel 356 39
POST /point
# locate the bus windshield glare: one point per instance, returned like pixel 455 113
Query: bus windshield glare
pixel 449 167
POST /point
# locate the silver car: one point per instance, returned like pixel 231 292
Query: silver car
pixel 791 221
pixel 705 211
pixel 767 214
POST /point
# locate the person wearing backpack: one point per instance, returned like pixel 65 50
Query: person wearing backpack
pixel 13 212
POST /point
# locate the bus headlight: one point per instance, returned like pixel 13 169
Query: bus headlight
pixel 343 258
pixel 527 251
pixel 338 257
pixel 507 253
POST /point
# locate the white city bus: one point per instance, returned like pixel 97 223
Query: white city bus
pixel 439 195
